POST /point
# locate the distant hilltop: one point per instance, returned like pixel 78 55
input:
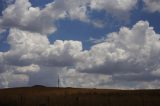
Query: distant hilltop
pixel 38 86
pixel 39 95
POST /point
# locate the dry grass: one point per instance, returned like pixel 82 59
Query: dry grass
pixel 45 96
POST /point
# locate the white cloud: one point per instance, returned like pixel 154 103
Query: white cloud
pixel 130 55
pixel 152 5
pixel 17 76
pixel 24 45
pixel 73 78
pixel 138 47
pixel 28 69
pixel 123 5
pixel 9 79
pixel 156 72
pixel 125 59
pixel 32 55
pixel 115 7
pixel 23 16
pixel 74 9
pixel 29 48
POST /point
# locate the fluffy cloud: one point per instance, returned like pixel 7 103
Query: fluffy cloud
pixel 135 49
pixel 32 55
pixel 33 48
pixel 9 79
pixel 28 69
pixel 74 9
pixel 74 78
pixel 152 5
pixel 24 44
pixel 115 7
pixel 17 76
pixel 125 59
pixel 128 55
pixel 23 16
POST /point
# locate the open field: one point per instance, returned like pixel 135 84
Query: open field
pixel 47 96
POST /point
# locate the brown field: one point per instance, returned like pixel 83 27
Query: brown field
pixel 48 96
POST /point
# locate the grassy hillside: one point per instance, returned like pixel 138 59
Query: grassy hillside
pixel 47 96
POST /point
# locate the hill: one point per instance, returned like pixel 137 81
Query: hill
pixel 49 96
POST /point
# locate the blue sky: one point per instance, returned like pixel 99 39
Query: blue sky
pixel 77 30
pixel 89 43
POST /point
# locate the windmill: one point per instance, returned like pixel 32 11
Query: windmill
pixel 58 81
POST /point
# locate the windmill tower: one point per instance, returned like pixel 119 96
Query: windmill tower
pixel 58 82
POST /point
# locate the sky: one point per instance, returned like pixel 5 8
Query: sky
pixel 111 44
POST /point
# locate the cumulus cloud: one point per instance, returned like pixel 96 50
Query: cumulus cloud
pixel 128 55
pixel 74 9
pixel 24 45
pixel 33 48
pixel 128 58
pixel 23 16
pixel 138 47
pixel 18 76
pixel 32 55
pixel 152 5
pixel 28 69
pixel 115 7
pixel 73 78
pixel 9 79
pixel 125 59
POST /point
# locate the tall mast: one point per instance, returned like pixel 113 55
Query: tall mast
pixel 58 81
